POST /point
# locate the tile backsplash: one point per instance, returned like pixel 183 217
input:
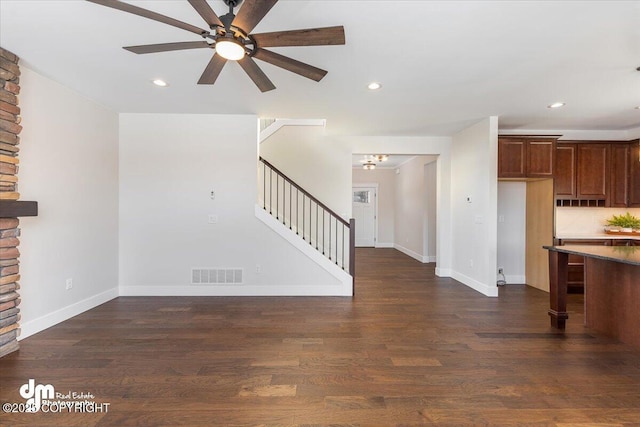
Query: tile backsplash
pixel 586 221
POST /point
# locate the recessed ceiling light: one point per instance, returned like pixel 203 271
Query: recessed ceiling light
pixel 556 105
pixel 638 107
pixel 374 86
pixel 161 83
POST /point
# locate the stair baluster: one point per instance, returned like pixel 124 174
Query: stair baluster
pixel 330 234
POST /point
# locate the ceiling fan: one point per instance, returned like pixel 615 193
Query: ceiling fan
pixel 230 36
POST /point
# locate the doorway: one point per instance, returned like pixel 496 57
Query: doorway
pixel 364 212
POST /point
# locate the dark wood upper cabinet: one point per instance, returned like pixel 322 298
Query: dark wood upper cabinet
pixel 634 174
pixel 585 173
pixel 619 175
pixel 600 173
pixel 582 171
pixel 526 157
pixel 592 171
pixel 540 158
pixel 511 158
pixel 565 177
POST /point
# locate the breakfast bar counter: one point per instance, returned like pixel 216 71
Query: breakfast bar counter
pixel 612 289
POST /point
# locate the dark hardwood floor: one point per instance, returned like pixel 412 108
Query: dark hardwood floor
pixel 408 349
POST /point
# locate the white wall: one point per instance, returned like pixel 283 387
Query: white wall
pixel 168 166
pixel 69 164
pixel 385 178
pixel 439 146
pixel 410 208
pixel 319 164
pixel 474 205
pixel 430 210
pixel 512 204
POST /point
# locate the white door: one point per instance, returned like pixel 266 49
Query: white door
pixel 364 212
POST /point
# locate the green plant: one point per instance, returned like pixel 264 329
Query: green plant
pixel 625 221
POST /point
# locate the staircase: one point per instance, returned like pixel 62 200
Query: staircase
pixel 312 221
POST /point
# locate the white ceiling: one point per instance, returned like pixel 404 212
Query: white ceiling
pixel 443 64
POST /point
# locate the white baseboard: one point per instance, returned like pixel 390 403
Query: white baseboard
pixel 443 272
pixel 236 290
pixel 488 290
pixel 384 245
pixel 412 254
pixel 431 259
pixel 48 320
pixel 515 280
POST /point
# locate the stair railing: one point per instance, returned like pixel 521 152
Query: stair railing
pixel 308 217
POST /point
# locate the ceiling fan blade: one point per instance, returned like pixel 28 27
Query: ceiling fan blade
pixel 257 75
pixel 212 71
pixel 308 37
pixel 203 8
pixel 290 64
pixel 166 47
pixel 251 13
pixel 126 7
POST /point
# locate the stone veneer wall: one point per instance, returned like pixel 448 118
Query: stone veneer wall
pixel 9 232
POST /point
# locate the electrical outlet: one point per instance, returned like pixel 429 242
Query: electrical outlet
pixel 213 219
pixel 258 269
pixel 68 284
pixel 470 263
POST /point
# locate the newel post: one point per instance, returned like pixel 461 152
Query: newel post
pixel 352 248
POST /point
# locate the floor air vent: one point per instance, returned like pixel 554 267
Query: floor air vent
pixel 216 276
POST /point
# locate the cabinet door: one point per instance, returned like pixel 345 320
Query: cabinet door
pixel 565 174
pixel 511 158
pixel 618 179
pixel 540 155
pixel 593 168
pixel 634 174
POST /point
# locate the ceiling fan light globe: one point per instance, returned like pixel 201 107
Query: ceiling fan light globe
pixel 230 49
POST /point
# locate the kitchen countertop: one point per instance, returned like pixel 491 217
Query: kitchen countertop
pixel 622 254
pixel 592 236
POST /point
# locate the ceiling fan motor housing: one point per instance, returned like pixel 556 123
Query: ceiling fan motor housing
pixel 227 19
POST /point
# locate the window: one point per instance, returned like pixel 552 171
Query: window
pixel 361 196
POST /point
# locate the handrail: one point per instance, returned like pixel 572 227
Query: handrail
pixel 320 226
pixel 305 192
